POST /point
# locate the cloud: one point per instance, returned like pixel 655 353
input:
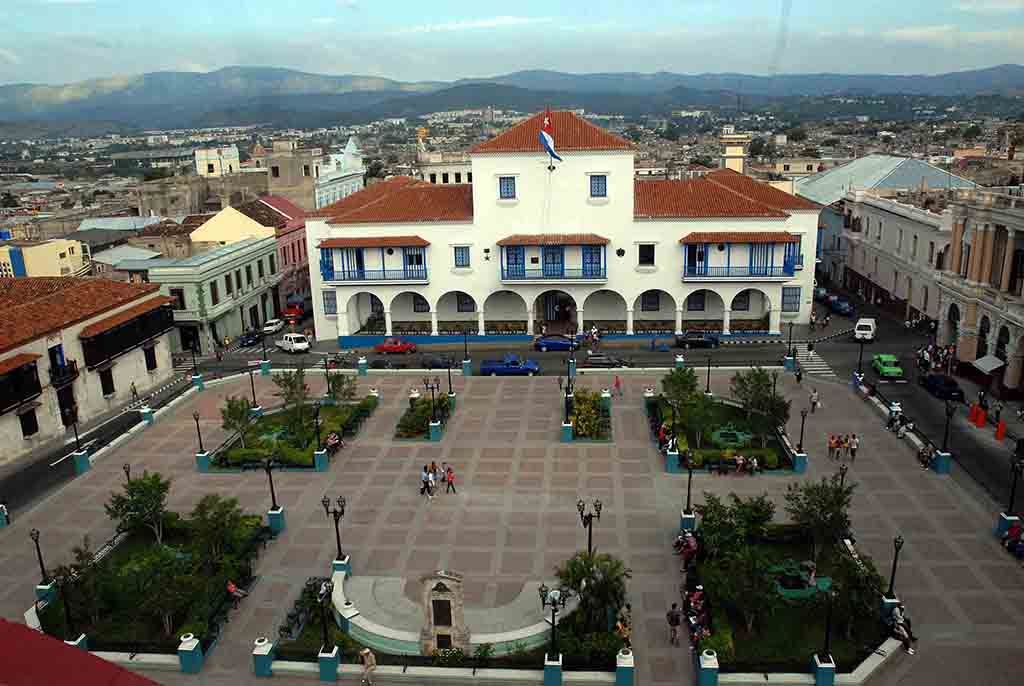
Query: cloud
pixel 474 24
pixel 949 35
pixel 8 56
pixel 324 21
pixel 990 6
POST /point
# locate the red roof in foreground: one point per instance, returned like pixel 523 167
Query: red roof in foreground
pixel 31 658
pixel 19 360
pixel 374 242
pixel 554 239
pixel 761 192
pixel 570 132
pixel 697 198
pixel 125 315
pixel 403 200
pixel 739 237
pixel 370 194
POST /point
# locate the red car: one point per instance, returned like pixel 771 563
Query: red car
pixel 395 345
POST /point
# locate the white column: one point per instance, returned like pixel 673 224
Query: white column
pixel 579 321
pixel 774 321
pixel 387 323
pixel 343 322
pixel 725 320
pixel 529 321
pixel 629 321
pixel 679 322
pixel 433 322
pixel 481 330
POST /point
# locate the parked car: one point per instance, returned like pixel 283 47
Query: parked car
pixel 942 386
pixel 555 341
pixel 697 339
pixel 273 326
pixel 820 294
pixel 249 339
pixel 293 343
pixel 887 366
pixel 865 329
pixel 600 360
pixel 395 345
pixel 841 306
pixel 511 365
pixel 434 362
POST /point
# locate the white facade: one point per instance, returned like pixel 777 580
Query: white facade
pixel 341 176
pixel 396 290
pixel 214 162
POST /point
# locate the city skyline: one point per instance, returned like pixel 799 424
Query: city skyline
pixel 63 41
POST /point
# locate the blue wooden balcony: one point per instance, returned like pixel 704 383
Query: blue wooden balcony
pixel 701 272
pixel 553 274
pixel 353 275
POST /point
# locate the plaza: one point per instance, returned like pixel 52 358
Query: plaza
pixel 514 517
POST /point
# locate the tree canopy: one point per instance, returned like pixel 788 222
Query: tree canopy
pixel 823 508
pixel 143 504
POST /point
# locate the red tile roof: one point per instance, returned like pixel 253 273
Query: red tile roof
pixel 34 307
pixel 403 200
pixel 570 132
pixel 759 191
pixel 263 214
pixel 31 658
pixel 739 237
pixel 375 242
pixel 554 239
pixel 124 316
pixel 283 206
pixel 370 194
pixel 19 360
pixel 695 199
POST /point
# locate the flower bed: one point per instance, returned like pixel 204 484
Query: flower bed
pixel 590 420
pixel 414 423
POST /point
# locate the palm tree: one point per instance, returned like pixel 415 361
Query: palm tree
pixel 599 581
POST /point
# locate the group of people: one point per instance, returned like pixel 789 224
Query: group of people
pixel 695 613
pixel 902 629
pixel 843 446
pixel 1013 540
pixel 825 321
pixel 933 356
pixel 432 477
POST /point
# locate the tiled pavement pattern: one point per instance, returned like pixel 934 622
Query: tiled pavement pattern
pixel 514 518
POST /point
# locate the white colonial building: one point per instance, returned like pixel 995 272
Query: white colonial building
pixel 341 176
pixel 538 244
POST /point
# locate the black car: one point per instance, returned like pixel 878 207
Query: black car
pixel 942 386
pixel 697 339
pixel 434 362
pixel 384 363
pixel 600 360
pixel 249 339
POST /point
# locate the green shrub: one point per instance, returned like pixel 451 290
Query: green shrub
pixel 721 641
pixel 449 657
pixel 770 461
pixel 483 653
pixel 697 460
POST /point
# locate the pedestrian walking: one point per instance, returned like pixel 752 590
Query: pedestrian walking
pixel 135 393
pixel 854 444
pixel 425 481
pixel 449 478
pixel 846 445
pixel 831 446
pixel 369 661
pixel 814 319
pixel 618 386
pixel 815 401
pixel 674 617
pixel 799 373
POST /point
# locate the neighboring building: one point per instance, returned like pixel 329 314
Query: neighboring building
pixel 292 171
pixel 164 158
pixel 168 238
pixel 896 250
pixel 98 240
pixel 55 257
pixel 190 194
pixel 117 223
pixel 70 351
pixel 227 226
pixel 341 176
pixel 526 249
pixel 735 145
pixel 216 294
pixel 214 162
pixel 289 224
pixel 444 167
pixel 104 263
pixel 794 167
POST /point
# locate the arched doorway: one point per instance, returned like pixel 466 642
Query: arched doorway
pixel 1002 340
pixel 410 314
pixel 749 310
pixel 951 327
pixel 556 311
pixel 606 310
pixel 654 312
pixel 364 313
pixel 457 311
pixel 506 313
pixel 703 310
pixel 984 328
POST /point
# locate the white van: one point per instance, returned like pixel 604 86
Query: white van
pixel 865 330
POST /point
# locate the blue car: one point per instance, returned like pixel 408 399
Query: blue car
pixel 555 341
pixel 942 386
pixel 511 365
pixel 841 306
pixel 249 339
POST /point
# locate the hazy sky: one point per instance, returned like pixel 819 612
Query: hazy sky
pixel 57 41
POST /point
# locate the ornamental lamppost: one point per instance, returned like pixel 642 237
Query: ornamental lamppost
pixel 689 482
pixel 860 357
pixel 326 590
pixel 707 389
pixel 897 544
pixel 587 520
pixel 268 467
pixel 127 471
pixel 568 388
pixel 432 386
pixel 252 386
pixel 450 391
pixel 199 433
pixel 465 342
pixel 791 354
pixel 337 513
pixel 803 420
pixel 34 535
pixel 556 599
pixel 263 342
pixel 316 422
pixel 950 411
pixel 1017 469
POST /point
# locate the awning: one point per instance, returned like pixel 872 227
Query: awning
pixel 376 242
pixel 542 239
pixel 739 237
pixel 988 364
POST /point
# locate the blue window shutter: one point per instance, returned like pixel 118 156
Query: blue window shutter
pixel 327 263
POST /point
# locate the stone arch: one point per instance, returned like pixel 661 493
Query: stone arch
pixel 704 310
pixel 749 310
pixel 506 313
pixel 557 310
pixel 606 309
pixel 457 310
pixel 984 328
pixel 1002 340
pixel 654 311
pixel 364 313
pixel 410 313
pixel 951 325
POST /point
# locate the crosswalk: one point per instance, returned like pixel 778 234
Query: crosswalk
pixel 812 363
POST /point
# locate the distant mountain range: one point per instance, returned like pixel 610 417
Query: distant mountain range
pixel 249 95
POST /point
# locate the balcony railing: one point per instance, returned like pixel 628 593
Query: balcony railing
pixel 738 272
pixel 522 274
pixel 63 375
pixel 407 274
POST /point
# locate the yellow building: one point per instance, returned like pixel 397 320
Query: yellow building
pixel 56 257
pixel 226 227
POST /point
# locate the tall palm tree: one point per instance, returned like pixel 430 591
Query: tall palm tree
pixel 599 581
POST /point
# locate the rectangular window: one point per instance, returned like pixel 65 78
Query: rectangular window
pixel 273 267
pixel 465 303
pixel 179 298
pixel 433 178
pixel 259 268
pixel 646 256
pixel 29 424
pixel 598 186
pixel 931 252
pixel 419 303
pixel 227 284
pixel 899 242
pixel 238 280
pixel 214 293
pixel 462 256
pixel 275 171
pixel 150 354
pixel 913 248
pixel 790 298
pixel 507 187
pixel 330 302
pixel 695 303
pixel 63 256
pixel 209 168
pixel 248 275
pixel 295 253
pixel 741 303
pixel 458 177
pixel 305 170
pixel 107 381
pixel 879 229
pixel 650 301
pixel 469 177
pixel 444 177
pixel 785 167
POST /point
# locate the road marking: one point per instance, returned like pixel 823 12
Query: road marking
pixel 812 363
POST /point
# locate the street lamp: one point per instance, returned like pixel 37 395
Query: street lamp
pixel 65 594
pixel 556 598
pixel 336 512
pixel 263 342
pixel 252 385
pixel 74 426
pixel 316 422
pixel 268 467
pixel 195 365
pixel 465 343
pixel 689 482
pixel 707 389
pixel 450 391
pixel 950 411
pixel 326 590
pixel 1017 469
pixel 826 652
pixel 843 469
pixel 791 340
pixel 568 387
pixel 127 471
pixel 199 433
pixel 897 544
pixel 587 520
pixel 34 535
pixel 803 420
pixel 432 387
pixel 860 356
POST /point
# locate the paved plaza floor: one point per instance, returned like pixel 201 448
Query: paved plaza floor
pixel 514 519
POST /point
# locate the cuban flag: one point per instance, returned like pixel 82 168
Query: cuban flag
pixel 547 138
